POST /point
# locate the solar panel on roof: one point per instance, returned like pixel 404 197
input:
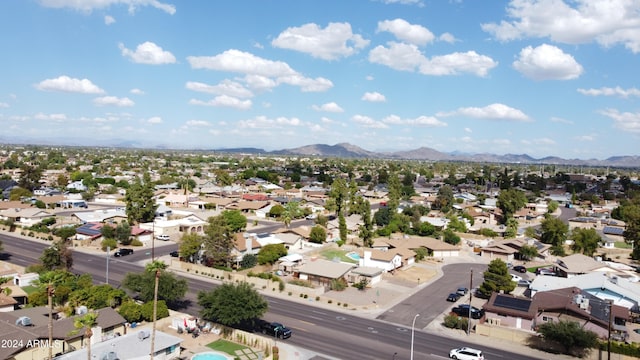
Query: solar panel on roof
pixel 613 230
pixel 512 303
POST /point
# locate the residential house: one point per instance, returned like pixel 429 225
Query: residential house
pixel 387 260
pixel 603 285
pixel 578 264
pixel 244 244
pixel 509 250
pixel 133 346
pixel 25 216
pixel 116 215
pixel 77 186
pixel 372 275
pixel 31 325
pixel 323 271
pixel 293 238
pixel 566 304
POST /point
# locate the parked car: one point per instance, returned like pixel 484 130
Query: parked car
pixel 520 269
pixel 122 252
pixel 525 283
pixel 163 237
pixel 453 297
pixel 463 310
pixel 545 271
pixel 275 329
pixel 462 291
pixel 312 216
pixel 515 278
pixel 466 353
pixel 174 253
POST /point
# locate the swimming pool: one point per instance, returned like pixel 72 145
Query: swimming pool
pixel 211 356
pixel 353 255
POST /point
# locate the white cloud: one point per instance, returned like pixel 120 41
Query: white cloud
pixel 398 56
pixel 403 30
pixel 198 123
pixel 373 97
pixel 328 107
pixel 585 137
pixel 627 121
pixel 113 100
pixel 88 6
pixel 67 84
pixel 4 105
pixel 224 101
pixel 368 122
pixel 419 3
pixel 263 122
pixel 148 53
pixel 490 112
pixel 225 87
pixel 108 20
pixel 447 37
pixel 547 62
pixel 419 121
pixel 136 92
pixel 468 130
pixel 607 91
pixel 457 63
pixel 407 57
pixel 50 117
pixel 571 22
pixel 543 141
pixel 155 120
pixel 260 73
pixel 333 42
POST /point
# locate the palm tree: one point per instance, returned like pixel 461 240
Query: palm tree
pixel 156 266
pixel 87 321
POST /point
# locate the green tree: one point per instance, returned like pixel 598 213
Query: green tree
pixel 30 177
pixel 342 227
pixel 131 311
pixel 318 235
pixel 510 201
pixel 232 304
pixel 629 212
pixel 87 321
pixel 248 261
pixel 444 199
pixel 170 288
pixel 65 232
pixel 190 245
pixel 570 335
pixel 218 241
pixel 57 256
pixel 497 278
pixel 528 252
pixel 366 229
pixel 18 193
pixel 554 231
pixel 276 211
pixel 235 220
pixel 585 241
pixel 270 253
pixel 123 233
pixel 451 238
pixel 382 217
pixel 141 206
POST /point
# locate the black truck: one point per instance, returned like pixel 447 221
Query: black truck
pixel 275 329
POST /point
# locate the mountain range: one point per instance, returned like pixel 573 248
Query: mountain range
pixel 346 150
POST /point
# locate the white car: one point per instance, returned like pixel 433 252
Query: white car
pixel 163 237
pixel 515 278
pixel 466 353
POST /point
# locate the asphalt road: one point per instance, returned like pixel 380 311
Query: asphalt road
pixel 336 334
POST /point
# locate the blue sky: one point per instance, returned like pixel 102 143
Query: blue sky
pixel 541 77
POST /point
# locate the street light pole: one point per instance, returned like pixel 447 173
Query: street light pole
pixel 610 303
pixel 106 280
pixel 413 325
pixel 470 298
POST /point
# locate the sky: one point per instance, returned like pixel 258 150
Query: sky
pixel 537 77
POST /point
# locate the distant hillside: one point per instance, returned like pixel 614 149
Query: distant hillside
pixel 346 150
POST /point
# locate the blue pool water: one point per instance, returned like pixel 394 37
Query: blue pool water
pixel 354 256
pixel 209 356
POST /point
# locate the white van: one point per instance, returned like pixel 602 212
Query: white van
pixel 163 237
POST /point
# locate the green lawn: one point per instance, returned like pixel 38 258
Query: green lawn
pixel 621 245
pixel 226 346
pixel 331 254
pixel 29 289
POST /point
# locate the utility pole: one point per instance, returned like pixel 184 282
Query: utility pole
pixel 106 279
pixel 50 292
pixel 610 302
pixel 470 298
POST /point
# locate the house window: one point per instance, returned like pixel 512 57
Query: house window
pixel 547 319
pixel 493 321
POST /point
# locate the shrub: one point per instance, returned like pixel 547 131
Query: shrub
pixel 136 242
pixel 338 284
pixel 111 243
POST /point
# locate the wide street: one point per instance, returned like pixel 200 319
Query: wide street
pixel 342 335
